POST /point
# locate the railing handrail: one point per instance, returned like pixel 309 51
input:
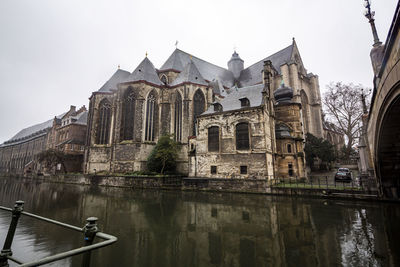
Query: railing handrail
pixel 108 240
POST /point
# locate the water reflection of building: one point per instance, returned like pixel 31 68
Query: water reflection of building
pixel 203 229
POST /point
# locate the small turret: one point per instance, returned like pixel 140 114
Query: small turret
pixel 235 65
pixel 283 94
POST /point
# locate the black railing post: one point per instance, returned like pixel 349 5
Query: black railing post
pixel 6 251
pixel 319 183
pixel 326 180
pixel 89 230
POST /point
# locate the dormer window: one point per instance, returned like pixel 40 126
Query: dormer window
pixel 244 102
pixel 218 107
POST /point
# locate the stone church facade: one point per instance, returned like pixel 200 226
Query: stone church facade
pixel 236 122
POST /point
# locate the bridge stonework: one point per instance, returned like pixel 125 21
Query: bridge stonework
pixel 384 117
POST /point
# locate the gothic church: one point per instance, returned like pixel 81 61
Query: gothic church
pixel 230 123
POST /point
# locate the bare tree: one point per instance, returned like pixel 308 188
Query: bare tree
pixel 343 107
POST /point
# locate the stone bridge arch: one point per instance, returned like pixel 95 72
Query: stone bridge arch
pixel 387 145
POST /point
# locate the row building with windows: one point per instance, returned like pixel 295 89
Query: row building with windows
pixel 65 132
pixel 233 123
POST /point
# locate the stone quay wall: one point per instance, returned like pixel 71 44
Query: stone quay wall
pixel 257 186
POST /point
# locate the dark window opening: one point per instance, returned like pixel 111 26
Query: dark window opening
pixel 246 216
pixel 214 212
pixel 213 139
pixel 213 169
pixel 218 107
pixel 178 117
pixel 243 169
pixel 128 115
pixel 104 122
pixel 151 117
pixel 289 148
pixel 244 102
pixel 199 103
pixel 290 167
pixel 164 79
pixel 242 136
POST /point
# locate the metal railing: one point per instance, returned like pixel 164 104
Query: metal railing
pixel 317 182
pixel 90 231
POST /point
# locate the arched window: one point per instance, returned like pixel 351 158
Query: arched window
pixel 178 117
pixel 199 103
pixel 164 79
pixel 213 139
pixel 104 122
pixel 128 114
pixel 242 136
pixel 151 116
pixel 289 148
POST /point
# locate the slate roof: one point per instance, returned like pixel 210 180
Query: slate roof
pixel 232 100
pixel 218 77
pixel 173 62
pixel 208 70
pixel 253 74
pixel 82 118
pixel 145 72
pixel 118 77
pixel 189 74
pixel 249 76
pixel 31 132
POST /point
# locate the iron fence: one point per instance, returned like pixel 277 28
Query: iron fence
pixel 317 182
pixel 90 232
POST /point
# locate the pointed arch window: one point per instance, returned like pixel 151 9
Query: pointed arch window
pixel 164 79
pixel 199 103
pixel 178 117
pixel 128 114
pixel 213 139
pixel 151 115
pixel 104 122
pixel 242 136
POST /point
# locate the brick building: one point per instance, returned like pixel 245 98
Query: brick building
pixel 65 132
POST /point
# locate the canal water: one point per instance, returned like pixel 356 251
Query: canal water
pixel 173 228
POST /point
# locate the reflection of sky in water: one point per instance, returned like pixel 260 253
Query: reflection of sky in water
pixel 357 243
pixel 28 246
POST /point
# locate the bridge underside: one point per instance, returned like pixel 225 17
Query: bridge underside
pixel 388 170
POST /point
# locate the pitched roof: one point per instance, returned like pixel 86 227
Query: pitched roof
pixel 232 100
pixel 118 77
pixel 145 72
pixel 189 74
pixel 173 62
pixel 31 132
pixel 208 70
pixel 253 74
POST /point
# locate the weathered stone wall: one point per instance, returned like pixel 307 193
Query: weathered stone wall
pixel 131 155
pixel 228 159
pixel 290 115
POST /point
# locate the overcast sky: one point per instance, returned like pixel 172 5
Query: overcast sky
pixel 55 53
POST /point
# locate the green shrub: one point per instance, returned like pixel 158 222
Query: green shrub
pixel 162 158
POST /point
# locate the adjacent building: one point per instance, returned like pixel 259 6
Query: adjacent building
pixel 65 132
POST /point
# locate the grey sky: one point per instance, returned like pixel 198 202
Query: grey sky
pixel 54 53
